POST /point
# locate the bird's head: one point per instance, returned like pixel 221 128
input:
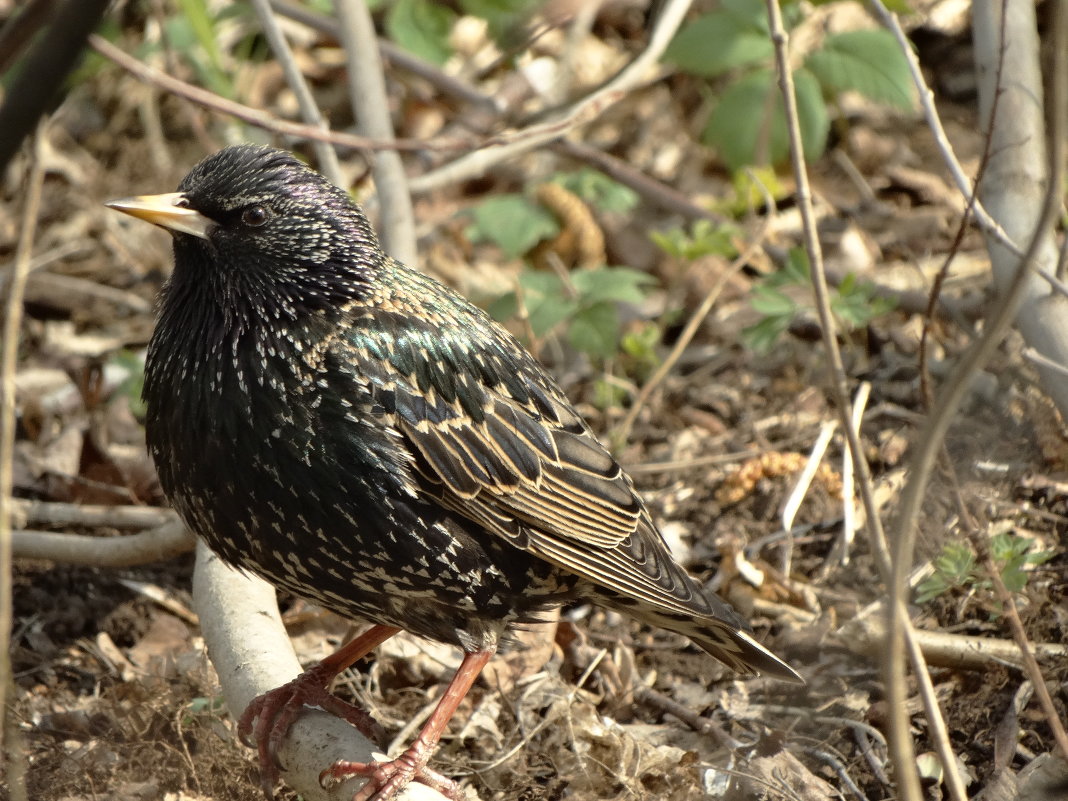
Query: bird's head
pixel 254 224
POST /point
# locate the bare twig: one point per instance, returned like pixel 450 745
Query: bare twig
pixel 70 291
pixel 260 119
pixel 14 764
pixel 1008 602
pixel 170 539
pixel 1027 656
pixel 503 148
pixel 937 729
pixel 800 489
pixel 934 122
pixel 865 634
pixel 401 59
pixel 370 106
pixel 828 328
pixel 29 513
pixel 1035 357
pixel 328 163
pixel 908 781
pixel 652 190
pixel 931 437
pixel 656 700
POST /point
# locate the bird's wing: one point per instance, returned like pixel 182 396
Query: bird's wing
pixel 494 439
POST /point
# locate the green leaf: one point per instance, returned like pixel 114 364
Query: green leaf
pixel 201 24
pixel 794 273
pixel 595 330
pixel 608 394
pixel 771 302
pixel 856 304
pixel 748 125
pixel 503 308
pixel 598 189
pixel 611 284
pixel 704 238
pixel 956 563
pixel 536 283
pixel 869 62
pixel 930 588
pixel 763 336
pixel 715 43
pixel 512 222
pixel 753 12
pixel 546 301
pixel 751 189
pixel 1014 578
pixel 1040 557
pixel 812 115
pixel 739 125
pixel 640 344
pixel 502 16
pixel 546 313
pixel 421 27
pixel 672 241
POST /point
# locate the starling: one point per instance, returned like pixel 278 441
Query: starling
pixel 358 434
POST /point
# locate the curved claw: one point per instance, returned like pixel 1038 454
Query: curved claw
pixel 386 779
pixel 267 719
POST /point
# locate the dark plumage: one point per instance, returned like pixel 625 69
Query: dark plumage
pixel 359 434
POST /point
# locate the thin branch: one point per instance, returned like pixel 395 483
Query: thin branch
pixel 41 513
pixel 938 731
pixel 839 388
pixel 1037 358
pixel 654 191
pixel 1019 635
pixel 9 350
pixel 511 145
pixel 261 119
pixel 169 540
pixel 988 224
pixel 904 761
pixel 370 106
pixel 866 634
pixel 397 57
pixel 327 157
pixel 931 437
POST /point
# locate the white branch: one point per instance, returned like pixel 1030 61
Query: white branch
pixel 252 654
pixel 170 539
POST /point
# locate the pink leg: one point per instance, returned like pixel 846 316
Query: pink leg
pixel 274 712
pixel 385 779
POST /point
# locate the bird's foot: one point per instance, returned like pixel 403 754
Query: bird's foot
pixel 386 779
pixel 268 717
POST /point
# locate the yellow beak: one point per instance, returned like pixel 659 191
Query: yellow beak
pixel 162 210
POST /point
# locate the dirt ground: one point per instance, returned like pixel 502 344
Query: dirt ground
pixel 114 696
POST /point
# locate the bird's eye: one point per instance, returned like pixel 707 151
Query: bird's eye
pixel 255 216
